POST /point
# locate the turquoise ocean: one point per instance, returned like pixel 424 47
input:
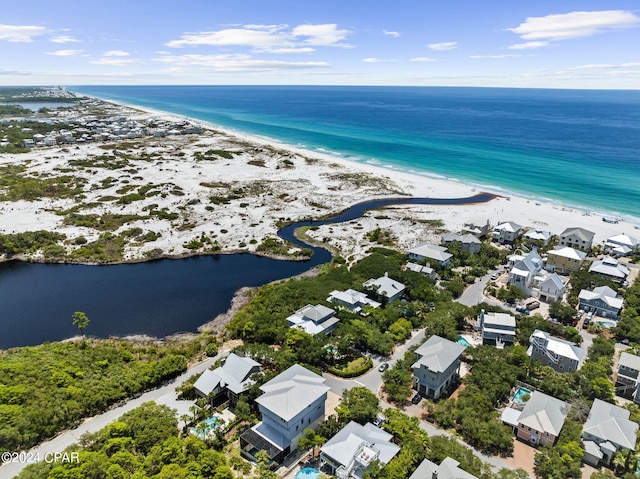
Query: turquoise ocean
pixel 578 148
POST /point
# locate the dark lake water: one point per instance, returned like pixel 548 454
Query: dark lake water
pixel 157 298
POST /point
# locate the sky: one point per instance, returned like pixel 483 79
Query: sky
pixel 498 43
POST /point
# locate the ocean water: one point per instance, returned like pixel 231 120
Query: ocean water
pixel 573 147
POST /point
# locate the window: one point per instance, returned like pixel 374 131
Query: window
pixel 529 429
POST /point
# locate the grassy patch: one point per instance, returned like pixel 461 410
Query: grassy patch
pixel 277 247
pixel 212 155
pixel 107 249
pixel 105 222
pixel 29 242
pixel 15 185
pixel 108 162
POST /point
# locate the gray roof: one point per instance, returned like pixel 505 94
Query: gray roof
pixel 385 286
pixel 609 267
pixel 502 319
pixel 555 280
pixel 630 361
pixel 343 446
pixel 469 238
pixel 609 422
pixel 291 391
pixel 317 312
pixel 581 233
pixel 439 253
pixel 448 469
pixel 592 449
pixel 558 346
pixel 603 293
pixel 568 252
pixel 508 226
pixel 544 413
pixel 234 375
pixel 437 354
pixel 541 235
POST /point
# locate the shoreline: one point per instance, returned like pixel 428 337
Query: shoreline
pixel 378 166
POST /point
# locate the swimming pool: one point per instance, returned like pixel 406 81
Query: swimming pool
pixel 204 428
pixel 464 342
pixel 308 473
pixel 608 324
pixel 517 397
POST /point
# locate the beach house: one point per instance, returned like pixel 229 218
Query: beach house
pixel 430 252
pixel 437 367
pixel 506 232
pixel 628 377
pixel 448 469
pixel 541 419
pixel 497 329
pixel 577 238
pixel 564 260
pixel 351 451
pixel 610 268
pixel 314 319
pixel 524 272
pixel 468 242
pixel 552 288
pixel 291 402
pixel 537 237
pixel 607 431
pixel 621 245
pixel 602 301
pixel 385 288
pixel 561 355
pixel 352 300
pixel 423 270
pixel 231 379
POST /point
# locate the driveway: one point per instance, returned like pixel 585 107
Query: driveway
pixel 163 395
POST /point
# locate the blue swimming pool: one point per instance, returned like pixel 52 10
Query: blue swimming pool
pixel 308 473
pixel 207 426
pixel 608 324
pixel 464 342
pixel 517 397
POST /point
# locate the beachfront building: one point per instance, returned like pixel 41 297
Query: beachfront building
pixel 538 237
pixel 506 232
pixel 430 252
pixel 561 355
pixel 352 300
pixel 386 288
pixel 437 367
pixel 552 288
pixel 564 260
pixel 291 402
pixel 541 419
pixel 423 270
pixel 524 272
pixel 448 469
pixel 497 329
pixel 610 268
pixel 577 238
pixel 621 245
pixel 607 431
pixel 349 453
pixel 628 377
pixel 314 319
pixel 602 301
pixel 232 379
pixel 477 231
pixel 469 242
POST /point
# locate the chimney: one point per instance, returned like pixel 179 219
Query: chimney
pixel 434 475
pixel 386 274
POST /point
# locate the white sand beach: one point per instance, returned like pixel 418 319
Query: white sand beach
pixel 239 199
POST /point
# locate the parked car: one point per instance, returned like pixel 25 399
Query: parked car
pixel 523 310
pixel 532 305
pixel 416 399
pixel 495 276
pixel 378 421
pixel 585 325
pixel 383 367
pixel 589 315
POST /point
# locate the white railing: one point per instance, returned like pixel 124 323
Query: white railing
pixel 537 342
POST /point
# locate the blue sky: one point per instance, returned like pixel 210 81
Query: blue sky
pixel 548 44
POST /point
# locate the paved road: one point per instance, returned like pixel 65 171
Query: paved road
pixel 474 293
pixel 162 395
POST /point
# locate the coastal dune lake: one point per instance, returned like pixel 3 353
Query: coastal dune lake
pixel 156 298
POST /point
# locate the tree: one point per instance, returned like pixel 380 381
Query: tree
pixel 80 321
pixel 358 404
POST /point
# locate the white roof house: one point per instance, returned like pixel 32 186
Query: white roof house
pixel 418 268
pixel 497 329
pixel 552 288
pixel 577 237
pixel 611 267
pixel 430 252
pixel 314 319
pixel 561 355
pixel 352 300
pixel 603 301
pixel 349 447
pixel 386 287
pixel 234 375
pixel 448 469
pixel 538 235
pixel 506 232
pixel 568 252
pixel 621 245
pixel 544 413
pixel 438 354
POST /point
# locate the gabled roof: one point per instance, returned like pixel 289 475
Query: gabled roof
pixel 352 297
pixel 529 264
pixel 610 267
pixel 544 413
pixel 554 280
pixel 568 252
pixel 450 236
pixel 540 235
pixel 428 250
pixel 611 423
pixel 448 469
pixel 234 375
pixel 559 346
pixel 418 268
pixel 343 446
pixel 385 286
pixel 469 238
pixel 291 391
pixel 508 226
pixel 603 293
pixel 580 233
pixel 624 240
pixel 630 361
pixel 437 354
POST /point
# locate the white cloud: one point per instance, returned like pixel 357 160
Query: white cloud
pixel 564 26
pixel 422 59
pixel 391 34
pixel 372 60
pixel 20 33
pixel 443 46
pixel 235 63
pixel 505 55
pixel 528 45
pixel 602 66
pixel 270 38
pixel 65 53
pixel 115 61
pixel 63 39
pixel 115 53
